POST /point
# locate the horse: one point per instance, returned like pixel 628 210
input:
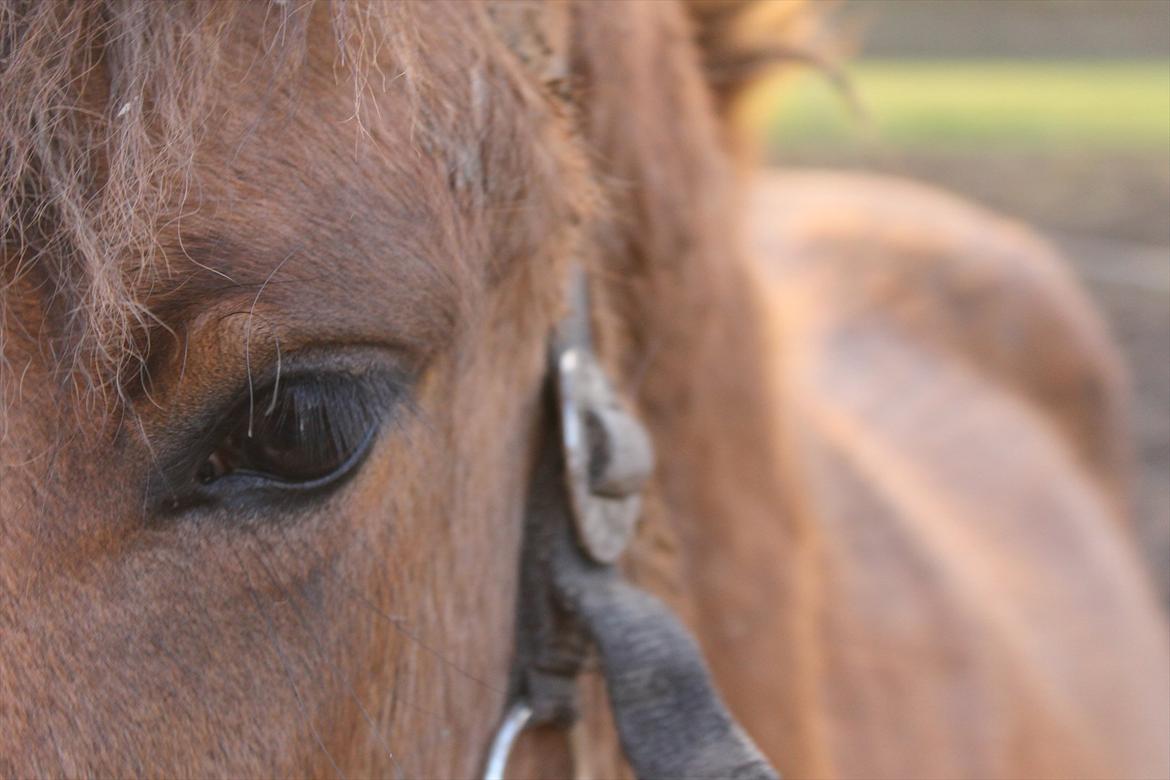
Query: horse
pixel 278 284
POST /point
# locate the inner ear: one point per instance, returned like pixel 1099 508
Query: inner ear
pixel 537 32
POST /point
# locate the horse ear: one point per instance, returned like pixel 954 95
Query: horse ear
pixel 741 40
pixel 537 32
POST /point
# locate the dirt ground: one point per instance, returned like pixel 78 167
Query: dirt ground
pixel 1110 214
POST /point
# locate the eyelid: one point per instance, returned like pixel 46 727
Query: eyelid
pixel 298 430
pixel 248 480
pixel 380 388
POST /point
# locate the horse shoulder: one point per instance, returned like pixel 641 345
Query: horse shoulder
pixel 952 421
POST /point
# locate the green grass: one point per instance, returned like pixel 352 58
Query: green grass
pixel 1114 104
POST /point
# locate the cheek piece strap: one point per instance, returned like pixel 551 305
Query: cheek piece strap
pixel 583 504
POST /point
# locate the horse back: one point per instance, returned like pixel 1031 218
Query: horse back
pixel 963 596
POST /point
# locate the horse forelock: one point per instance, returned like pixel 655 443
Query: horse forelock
pixel 101 114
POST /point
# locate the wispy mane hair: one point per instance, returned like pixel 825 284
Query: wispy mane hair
pixel 98 131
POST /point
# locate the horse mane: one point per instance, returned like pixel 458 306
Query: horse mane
pixel 97 109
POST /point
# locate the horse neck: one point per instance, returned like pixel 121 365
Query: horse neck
pixel 680 322
pixel 682 328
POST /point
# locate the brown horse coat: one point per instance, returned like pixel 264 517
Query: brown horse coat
pixel 954 456
pixel 892 456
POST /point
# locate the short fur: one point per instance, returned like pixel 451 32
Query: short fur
pixel 891 452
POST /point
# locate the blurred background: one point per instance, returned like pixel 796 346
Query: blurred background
pixel 1056 112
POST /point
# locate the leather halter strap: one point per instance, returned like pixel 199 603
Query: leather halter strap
pixel 582 505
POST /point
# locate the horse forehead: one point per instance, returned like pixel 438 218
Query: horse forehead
pixel 302 203
pixel 446 140
pixel 330 212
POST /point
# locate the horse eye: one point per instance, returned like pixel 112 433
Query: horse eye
pixel 299 432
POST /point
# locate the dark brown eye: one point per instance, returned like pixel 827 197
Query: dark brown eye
pixel 304 430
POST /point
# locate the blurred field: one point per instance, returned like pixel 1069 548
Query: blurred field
pixel 986 103
pixel 1079 147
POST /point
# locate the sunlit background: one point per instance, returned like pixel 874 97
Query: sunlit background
pixel 1053 111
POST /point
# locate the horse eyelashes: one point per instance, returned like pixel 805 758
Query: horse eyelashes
pixel 302 431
